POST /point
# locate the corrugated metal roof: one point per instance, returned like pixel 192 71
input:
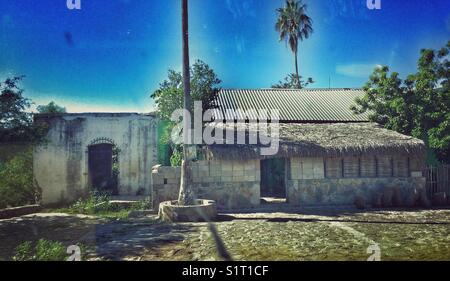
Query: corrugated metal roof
pixel 305 105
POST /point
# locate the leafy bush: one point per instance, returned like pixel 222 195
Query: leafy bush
pixel 99 204
pixel 16 181
pixel 176 158
pixel 45 250
pixel 96 202
pixel 418 105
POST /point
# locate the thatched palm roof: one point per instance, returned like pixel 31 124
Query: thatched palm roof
pixel 318 140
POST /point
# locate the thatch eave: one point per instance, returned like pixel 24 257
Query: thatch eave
pixel 321 140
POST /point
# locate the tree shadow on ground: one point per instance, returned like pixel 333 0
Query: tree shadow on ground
pixel 65 229
pixel 119 240
pixel 105 239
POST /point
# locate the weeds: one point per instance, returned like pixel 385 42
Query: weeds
pixel 44 250
pixel 99 204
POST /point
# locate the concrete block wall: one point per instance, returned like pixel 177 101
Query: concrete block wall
pixel 344 191
pixel 232 184
pixel 166 183
pixel 307 168
pixel 308 184
pixel 236 184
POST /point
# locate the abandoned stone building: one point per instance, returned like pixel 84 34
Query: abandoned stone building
pixel 326 156
pixel 113 151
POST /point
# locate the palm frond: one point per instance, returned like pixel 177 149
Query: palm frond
pixel 293 23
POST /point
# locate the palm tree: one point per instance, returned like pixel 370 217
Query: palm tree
pixel 294 25
pixel 186 196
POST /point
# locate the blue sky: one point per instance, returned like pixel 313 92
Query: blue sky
pixel 111 54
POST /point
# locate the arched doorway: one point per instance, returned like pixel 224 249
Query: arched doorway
pixel 103 168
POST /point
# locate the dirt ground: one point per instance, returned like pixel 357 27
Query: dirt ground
pixel 308 234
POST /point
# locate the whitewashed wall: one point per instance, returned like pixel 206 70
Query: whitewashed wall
pixel 61 164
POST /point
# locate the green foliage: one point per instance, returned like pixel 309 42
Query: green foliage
pixel 96 202
pixel 16 122
pixel 291 82
pixel 293 25
pixel 204 87
pixel 50 251
pixel 44 250
pixel 99 204
pixel 9 150
pixel 163 143
pixel 51 108
pixel 16 181
pixel 177 157
pixel 417 106
pixel 24 252
pixel 169 97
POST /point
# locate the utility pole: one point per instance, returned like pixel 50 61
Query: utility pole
pixel 186 196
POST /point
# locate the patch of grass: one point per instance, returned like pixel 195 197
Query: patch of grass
pixel 44 250
pixel 99 204
pixel 24 252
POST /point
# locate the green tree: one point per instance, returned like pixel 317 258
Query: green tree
pixel 291 82
pixel 15 121
pixel 418 105
pixel 294 25
pixel 204 87
pixel 169 97
pixel 51 108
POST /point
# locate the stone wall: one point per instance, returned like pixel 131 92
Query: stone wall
pixel 232 184
pixel 236 184
pixel 61 164
pixel 374 191
pixel 338 181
